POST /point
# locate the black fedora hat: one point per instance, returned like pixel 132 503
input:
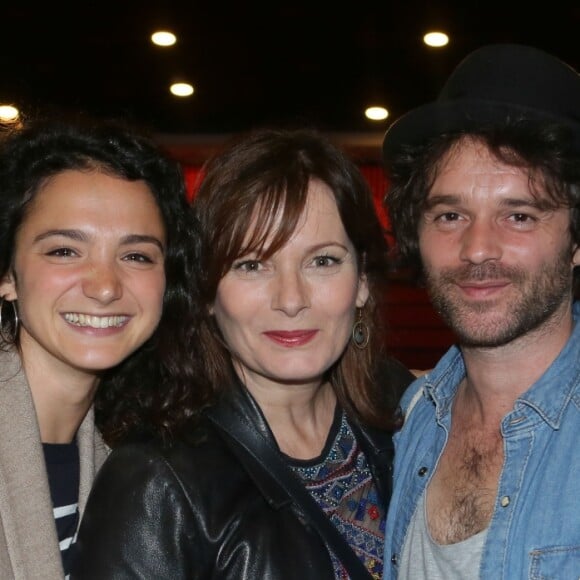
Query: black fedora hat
pixel 490 85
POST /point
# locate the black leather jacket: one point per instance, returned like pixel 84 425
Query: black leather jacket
pixel 207 509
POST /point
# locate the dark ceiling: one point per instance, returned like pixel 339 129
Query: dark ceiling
pixel 257 63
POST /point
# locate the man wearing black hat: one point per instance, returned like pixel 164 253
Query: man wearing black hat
pixel 484 200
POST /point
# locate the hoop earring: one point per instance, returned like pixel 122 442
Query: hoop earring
pixel 360 332
pixel 6 338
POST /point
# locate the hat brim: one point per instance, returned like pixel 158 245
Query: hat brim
pixel 420 125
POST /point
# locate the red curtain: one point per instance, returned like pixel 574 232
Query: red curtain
pixel 193 177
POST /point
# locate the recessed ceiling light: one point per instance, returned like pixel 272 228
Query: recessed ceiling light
pixel 163 38
pixel 8 113
pixel 376 113
pixel 181 89
pixel 436 39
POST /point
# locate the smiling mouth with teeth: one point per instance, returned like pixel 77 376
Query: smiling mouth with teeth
pixel 95 321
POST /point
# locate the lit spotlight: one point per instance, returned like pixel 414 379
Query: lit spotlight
pixel 163 38
pixel 8 114
pixel 376 113
pixel 436 39
pixel 181 89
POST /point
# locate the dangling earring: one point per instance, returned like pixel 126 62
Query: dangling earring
pixel 360 332
pixel 5 338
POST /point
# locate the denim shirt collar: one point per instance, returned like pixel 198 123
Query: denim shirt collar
pixel 548 396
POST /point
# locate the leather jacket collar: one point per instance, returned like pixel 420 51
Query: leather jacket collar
pixel 238 409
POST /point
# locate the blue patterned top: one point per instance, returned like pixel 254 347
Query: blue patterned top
pixel 340 481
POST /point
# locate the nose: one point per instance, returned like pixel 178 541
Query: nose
pixel 102 283
pixel 480 242
pixel 290 292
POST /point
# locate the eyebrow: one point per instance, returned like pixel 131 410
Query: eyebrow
pixel 323 245
pixel 513 202
pixel 440 199
pixel 80 236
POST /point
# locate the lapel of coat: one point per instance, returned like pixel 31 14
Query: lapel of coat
pixel 26 518
pixel 92 454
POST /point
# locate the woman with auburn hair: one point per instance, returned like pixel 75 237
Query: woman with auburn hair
pixel 286 472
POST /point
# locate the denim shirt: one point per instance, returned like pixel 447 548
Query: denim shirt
pixel 534 531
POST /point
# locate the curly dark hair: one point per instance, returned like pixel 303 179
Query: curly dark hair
pixel 150 387
pixel 546 151
pixel 267 172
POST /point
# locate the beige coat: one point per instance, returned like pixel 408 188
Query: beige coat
pixel 28 542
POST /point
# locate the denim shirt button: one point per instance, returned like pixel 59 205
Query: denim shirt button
pixel 505 501
pixel 394 559
pixel 422 471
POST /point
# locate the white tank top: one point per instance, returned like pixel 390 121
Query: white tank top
pixel 423 559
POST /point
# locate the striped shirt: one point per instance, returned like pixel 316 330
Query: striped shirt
pixel 62 465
